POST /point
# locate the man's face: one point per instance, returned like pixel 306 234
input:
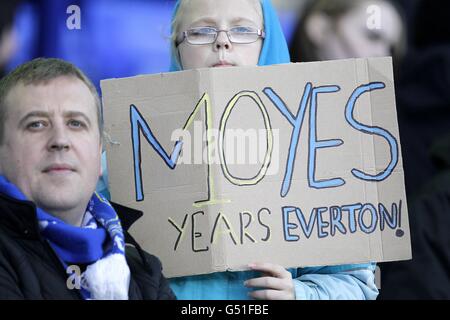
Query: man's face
pixel 51 144
pixel 222 15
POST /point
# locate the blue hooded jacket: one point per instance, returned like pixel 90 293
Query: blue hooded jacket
pixel 328 282
pixel 275 49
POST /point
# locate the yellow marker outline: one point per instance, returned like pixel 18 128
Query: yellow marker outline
pixel 212 200
pixel 268 156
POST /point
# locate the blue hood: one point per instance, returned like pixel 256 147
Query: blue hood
pixel 274 50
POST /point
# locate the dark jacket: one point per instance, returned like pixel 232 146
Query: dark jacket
pixel 427 275
pixel 423 100
pixel 29 268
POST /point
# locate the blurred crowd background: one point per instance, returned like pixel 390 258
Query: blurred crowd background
pixel 118 38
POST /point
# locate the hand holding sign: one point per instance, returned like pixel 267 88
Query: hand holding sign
pixel 277 282
pixel 326 187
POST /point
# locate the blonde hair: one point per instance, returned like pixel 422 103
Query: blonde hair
pixel 176 24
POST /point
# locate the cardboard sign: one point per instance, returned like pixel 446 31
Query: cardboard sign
pixel 295 164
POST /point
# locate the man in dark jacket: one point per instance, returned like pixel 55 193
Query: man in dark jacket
pixel 427 275
pixel 58 238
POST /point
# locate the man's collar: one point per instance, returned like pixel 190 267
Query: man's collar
pixel 127 215
pixel 24 220
pixel 19 216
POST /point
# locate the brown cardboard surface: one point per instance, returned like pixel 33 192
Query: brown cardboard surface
pixel 217 201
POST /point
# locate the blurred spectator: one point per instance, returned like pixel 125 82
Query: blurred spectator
pixel 340 29
pixel 7 35
pixel 423 97
pixel 427 276
pixel 111 41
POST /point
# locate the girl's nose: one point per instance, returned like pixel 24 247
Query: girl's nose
pixel 222 41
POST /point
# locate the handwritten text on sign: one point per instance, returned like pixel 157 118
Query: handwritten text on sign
pixel 221 217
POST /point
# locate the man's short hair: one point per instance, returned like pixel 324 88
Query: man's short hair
pixel 42 70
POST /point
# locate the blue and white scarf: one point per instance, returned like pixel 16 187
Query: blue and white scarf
pixel 98 243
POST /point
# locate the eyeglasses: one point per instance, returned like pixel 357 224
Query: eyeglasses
pixel 208 35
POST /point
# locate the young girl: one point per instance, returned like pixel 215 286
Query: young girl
pixel 226 33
